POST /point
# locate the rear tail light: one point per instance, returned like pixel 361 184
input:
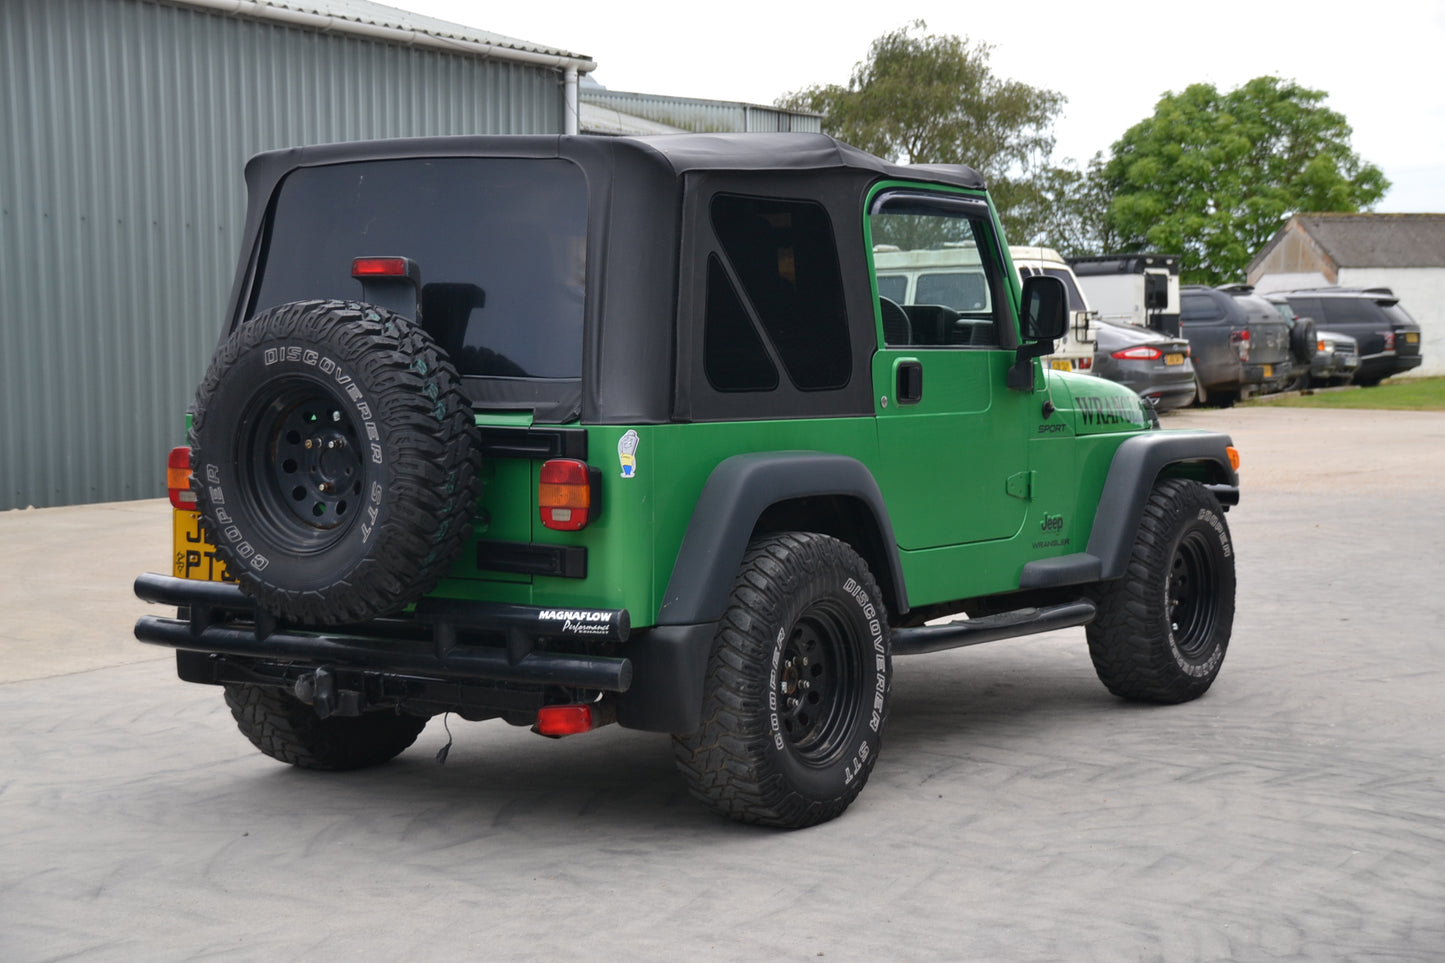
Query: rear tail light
pixel 1140 352
pixel 178 479
pixel 566 720
pixel 565 494
pixel 1389 337
pixel 1085 364
pixel 1240 340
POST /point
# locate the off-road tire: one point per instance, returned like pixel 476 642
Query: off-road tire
pixel 1303 342
pixel 797 686
pixel 334 460
pixel 287 729
pixel 1163 628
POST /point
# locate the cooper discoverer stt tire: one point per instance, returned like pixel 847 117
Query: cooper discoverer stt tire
pixel 797 686
pixel 1162 629
pixel 334 460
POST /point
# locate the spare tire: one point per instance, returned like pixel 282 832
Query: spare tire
pixel 334 460
pixel 1303 342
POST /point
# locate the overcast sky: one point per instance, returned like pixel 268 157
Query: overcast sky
pixel 1382 63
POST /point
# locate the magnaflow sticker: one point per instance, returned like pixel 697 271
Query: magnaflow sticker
pixel 627 453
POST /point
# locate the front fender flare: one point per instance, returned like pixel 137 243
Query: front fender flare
pixel 1137 464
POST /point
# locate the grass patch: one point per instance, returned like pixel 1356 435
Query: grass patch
pixel 1410 394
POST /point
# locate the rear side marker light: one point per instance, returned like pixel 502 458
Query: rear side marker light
pixel 380 267
pixel 564 495
pixel 564 720
pixel 1233 457
pixel 178 479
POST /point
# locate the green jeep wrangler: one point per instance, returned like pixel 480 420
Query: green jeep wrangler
pixel 571 430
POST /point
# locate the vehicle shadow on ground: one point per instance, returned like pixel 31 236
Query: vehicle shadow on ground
pixel 499 778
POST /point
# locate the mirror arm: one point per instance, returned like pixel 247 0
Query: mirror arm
pixel 1021 372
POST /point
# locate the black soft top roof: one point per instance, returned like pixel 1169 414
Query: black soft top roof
pixel 682 153
pixel 638 195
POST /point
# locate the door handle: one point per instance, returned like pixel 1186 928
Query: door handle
pixel 908 381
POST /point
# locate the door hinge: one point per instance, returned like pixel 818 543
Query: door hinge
pixel 1020 485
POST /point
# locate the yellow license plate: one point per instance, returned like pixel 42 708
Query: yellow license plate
pixel 193 554
pixel 1269 371
pixel 1061 364
pixel 1412 337
pixel 1175 358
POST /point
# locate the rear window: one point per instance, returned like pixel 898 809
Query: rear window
pixel 1199 307
pixel 1076 299
pixel 1399 317
pixel 501 244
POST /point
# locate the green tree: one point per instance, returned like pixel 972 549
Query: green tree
pixel 1063 207
pixel 922 98
pixel 1212 176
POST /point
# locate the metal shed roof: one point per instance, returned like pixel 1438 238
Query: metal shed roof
pixel 379 21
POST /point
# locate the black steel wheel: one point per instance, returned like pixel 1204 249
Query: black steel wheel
pixel 1163 628
pixel 797 687
pixel 288 730
pixel 334 460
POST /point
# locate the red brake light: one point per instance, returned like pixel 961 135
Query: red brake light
pixel 178 479
pixel 1140 352
pixel 1240 339
pixel 1389 340
pixel 564 720
pixel 379 267
pixel 564 494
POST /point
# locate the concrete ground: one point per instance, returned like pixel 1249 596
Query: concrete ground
pixel 1018 811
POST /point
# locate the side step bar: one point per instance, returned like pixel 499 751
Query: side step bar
pixel 991 628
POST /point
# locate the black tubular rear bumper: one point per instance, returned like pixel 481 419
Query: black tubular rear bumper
pixel 225 622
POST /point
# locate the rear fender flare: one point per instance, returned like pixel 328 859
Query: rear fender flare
pixel 737 493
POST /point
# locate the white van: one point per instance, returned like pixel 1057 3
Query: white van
pixel 1075 350
pixel 953 276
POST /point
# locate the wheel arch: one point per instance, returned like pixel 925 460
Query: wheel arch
pixel 1137 466
pixel 775 492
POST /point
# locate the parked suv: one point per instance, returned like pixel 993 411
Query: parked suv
pixel 1239 342
pixel 1388 338
pixel 1333 357
pixel 573 430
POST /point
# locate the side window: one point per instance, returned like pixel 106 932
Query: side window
pixel 1350 311
pixel 943 244
pixel 1199 307
pixel 788 296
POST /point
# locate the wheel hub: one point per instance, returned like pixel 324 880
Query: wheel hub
pixel 1191 592
pixel 813 715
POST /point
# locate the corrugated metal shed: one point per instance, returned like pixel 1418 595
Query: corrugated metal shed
pixel 126 124
pixel 703 116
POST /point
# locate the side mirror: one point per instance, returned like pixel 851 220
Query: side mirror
pixel 1045 319
pixel 1046 308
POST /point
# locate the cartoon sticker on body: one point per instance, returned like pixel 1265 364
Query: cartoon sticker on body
pixel 627 453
